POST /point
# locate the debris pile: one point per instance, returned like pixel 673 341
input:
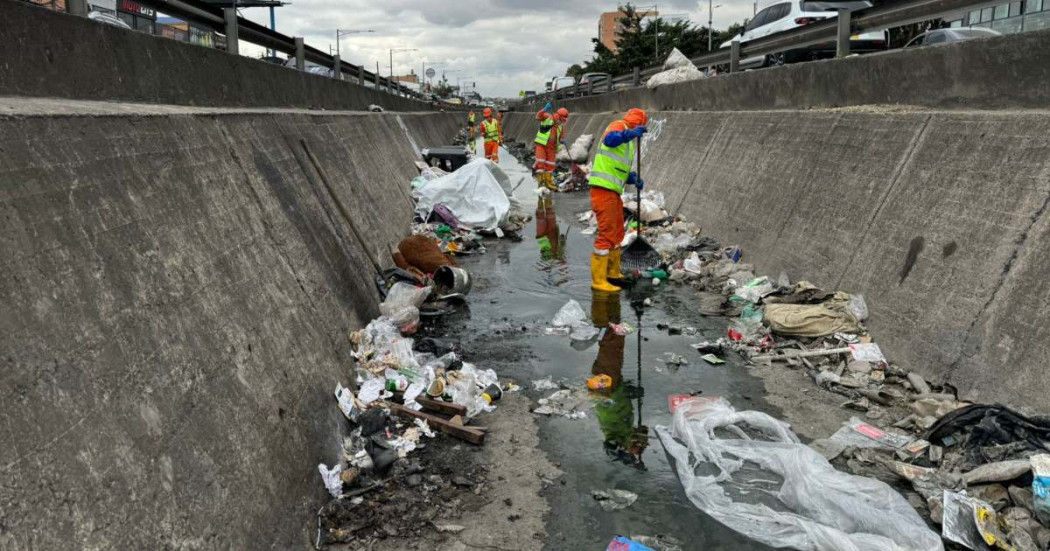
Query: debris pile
pixel 979 472
pixel 407 392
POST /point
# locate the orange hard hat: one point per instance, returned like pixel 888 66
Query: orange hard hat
pixel 563 113
pixel 487 112
pixel 636 117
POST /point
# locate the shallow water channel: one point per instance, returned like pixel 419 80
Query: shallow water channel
pixel 518 287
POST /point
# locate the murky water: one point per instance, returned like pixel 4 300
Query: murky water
pixel 519 286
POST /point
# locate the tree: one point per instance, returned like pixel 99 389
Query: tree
pixel 643 43
pixel 442 88
pixel 575 71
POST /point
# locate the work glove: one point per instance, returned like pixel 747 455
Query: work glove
pixel 635 132
pixel 634 180
pixel 548 107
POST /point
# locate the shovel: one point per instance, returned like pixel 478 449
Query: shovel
pixel 639 255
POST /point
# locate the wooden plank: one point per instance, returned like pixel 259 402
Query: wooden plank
pixel 438 406
pixel 468 434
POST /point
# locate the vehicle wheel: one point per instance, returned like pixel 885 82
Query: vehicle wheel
pixel 775 60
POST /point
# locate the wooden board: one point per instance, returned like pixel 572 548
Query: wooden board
pixel 469 434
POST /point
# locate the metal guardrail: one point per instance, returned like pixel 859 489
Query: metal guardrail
pixel 837 30
pixel 225 21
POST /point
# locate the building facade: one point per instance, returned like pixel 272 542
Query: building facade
pixel 609 26
pixel 1008 17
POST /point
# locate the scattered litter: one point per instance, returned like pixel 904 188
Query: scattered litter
pixel 425 428
pixel 867 353
pixel 621 329
pixel 544 384
pixel 564 403
pixel 570 315
pixel 1041 487
pixel 450 528
pixel 614 500
pixel 332 482
pixel 712 359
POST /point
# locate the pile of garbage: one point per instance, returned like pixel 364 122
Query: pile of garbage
pixel 407 391
pixel 980 472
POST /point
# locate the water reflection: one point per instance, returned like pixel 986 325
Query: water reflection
pixel 550 241
pixel 619 412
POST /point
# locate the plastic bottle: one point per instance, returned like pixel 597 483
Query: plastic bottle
pixel 395 385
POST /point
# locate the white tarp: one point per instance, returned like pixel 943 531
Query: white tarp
pixel 677 68
pixel 478 194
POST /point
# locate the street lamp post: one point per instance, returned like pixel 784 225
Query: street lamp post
pixel 392 52
pixel 339 34
pixel 710 22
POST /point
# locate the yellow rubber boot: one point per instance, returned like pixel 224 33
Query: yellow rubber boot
pixel 599 268
pixel 614 264
pixel 550 182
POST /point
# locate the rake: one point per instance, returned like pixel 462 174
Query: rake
pixel 639 255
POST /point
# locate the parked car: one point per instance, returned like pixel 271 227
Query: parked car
pixel 562 83
pixel 941 36
pixel 107 19
pixel 784 16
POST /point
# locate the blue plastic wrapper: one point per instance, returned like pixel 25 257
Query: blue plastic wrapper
pixel 620 543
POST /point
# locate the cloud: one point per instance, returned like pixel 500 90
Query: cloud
pixel 501 45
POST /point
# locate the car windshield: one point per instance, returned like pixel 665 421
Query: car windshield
pixel 835 6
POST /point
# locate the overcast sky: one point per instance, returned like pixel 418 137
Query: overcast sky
pixel 504 45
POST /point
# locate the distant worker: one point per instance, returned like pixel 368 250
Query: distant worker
pixel 611 172
pixel 492 131
pixel 470 127
pixel 550 134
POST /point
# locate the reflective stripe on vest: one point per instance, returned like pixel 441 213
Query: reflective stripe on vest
pixel 490 129
pixel 612 165
pixel 544 135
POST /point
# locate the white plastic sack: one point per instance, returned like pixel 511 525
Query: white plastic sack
pixel 478 194
pixel 676 60
pixel 579 151
pixel 692 264
pixel 735 479
pixel 403 295
pixel 677 68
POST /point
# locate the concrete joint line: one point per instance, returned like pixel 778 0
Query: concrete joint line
pixel 1019 245
pixel 897 173
pixel 700 167
pixel 342 208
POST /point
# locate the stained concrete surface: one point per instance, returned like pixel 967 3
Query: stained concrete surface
pixel 840 197
pixel 178 289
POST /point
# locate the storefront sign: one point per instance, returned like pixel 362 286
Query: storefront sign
pixel 137 9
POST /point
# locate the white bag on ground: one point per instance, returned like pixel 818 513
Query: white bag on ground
pixel 570 315
pixel 478 194
pixel 734 478
pixel 579 151
pixel 677 68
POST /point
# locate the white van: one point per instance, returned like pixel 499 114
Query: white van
pixel 783 16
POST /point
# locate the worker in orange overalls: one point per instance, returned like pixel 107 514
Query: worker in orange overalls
pixel 611 173
pixel 547 138
pixel 492 131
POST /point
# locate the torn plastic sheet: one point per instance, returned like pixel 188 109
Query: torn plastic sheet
pixel 780 492
pixel 331 479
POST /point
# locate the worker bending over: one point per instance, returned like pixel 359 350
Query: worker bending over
pixel 492 131
pixel 549 135
pixel 611 172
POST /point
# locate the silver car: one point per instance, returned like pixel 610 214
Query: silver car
pixel 940 36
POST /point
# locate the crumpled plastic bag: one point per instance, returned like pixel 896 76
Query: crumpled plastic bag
pixel 692 264
pixel 402 306
pixel 578 151
pixel 570 315
pixel 332 482
pixel 677 68
pixel 731 464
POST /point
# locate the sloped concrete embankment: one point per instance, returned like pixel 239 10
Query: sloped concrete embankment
pixel 177 293
pixel 938 218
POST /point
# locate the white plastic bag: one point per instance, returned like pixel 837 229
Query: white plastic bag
pixel 692 264
pixel 730 464
pixel 578 151
pixel 677 68
pixel 570 315
pixel 859 307
pixel 332 482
